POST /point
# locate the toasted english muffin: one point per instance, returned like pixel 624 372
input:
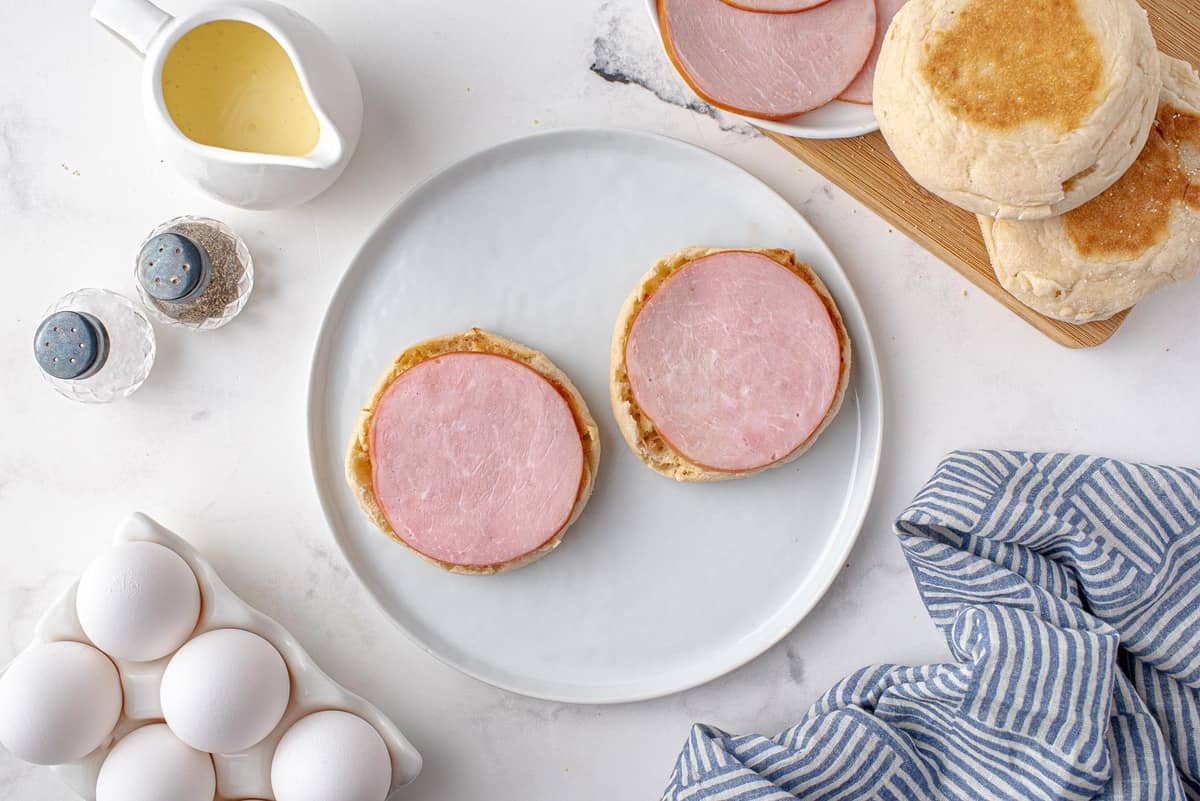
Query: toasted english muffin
pixel 1138 236
pixel 475 452
pixel 714 306
pixel 1017 109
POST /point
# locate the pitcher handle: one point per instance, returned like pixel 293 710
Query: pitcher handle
pixel 135 21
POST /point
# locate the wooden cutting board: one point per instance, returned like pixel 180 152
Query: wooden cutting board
pixel 868 171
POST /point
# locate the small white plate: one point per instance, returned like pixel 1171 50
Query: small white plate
pixel 659 586
pixel 837 120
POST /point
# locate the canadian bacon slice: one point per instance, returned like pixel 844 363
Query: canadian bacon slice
pixel 736 360
pixel 476 459
pixel 768 66
pixel 775 6
pixel 860 91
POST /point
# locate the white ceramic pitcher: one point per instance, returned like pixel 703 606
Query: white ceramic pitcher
pixel 248 180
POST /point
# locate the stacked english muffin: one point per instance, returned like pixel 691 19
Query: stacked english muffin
pixel 1060 125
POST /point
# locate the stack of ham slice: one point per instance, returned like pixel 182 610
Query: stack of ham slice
pixel 776 59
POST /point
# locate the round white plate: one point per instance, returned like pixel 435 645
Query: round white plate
pixel 837 120
pixel 659 586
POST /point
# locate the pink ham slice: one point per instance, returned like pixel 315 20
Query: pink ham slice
pixel 775 6
pixel 860 91
pixel 770 66
pixel 735 360
pixel 475 459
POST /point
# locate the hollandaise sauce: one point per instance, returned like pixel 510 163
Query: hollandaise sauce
pixel 229 84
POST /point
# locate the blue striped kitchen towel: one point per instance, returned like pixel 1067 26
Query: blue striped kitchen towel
pixel 1068 589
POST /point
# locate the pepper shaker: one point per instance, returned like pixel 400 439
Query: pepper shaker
pixel 194 272
pixel 94 346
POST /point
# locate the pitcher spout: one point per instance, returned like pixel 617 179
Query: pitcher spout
pixel 330 149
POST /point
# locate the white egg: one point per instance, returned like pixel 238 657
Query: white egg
pixel 139 601
pixel 224 691
pixel 331 756
pixel 58 702
pixel 151 764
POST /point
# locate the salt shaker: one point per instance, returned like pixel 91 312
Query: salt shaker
pixel 94 346
pixel 194 272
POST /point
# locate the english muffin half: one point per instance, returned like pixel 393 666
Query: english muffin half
pixel 727 362
pixel 1017 109
pixel 475 452
pixel 1140 235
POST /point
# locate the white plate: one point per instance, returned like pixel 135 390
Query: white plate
pixel 837 120
pixel 659 586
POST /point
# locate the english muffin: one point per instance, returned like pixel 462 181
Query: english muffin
pixel 1138 236
pixel 727 362
pixel 1017 109
pixel 475 452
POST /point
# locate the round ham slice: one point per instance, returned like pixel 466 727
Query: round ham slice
pixel 475 459
pixel 736 361
pixel 770 66
pixel 860 91
pixel 775 6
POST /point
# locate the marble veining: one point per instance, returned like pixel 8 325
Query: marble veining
pixel 14 189
pixel 626 51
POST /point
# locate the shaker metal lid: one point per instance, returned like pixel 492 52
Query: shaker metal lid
pixel 173 268
pixel 71 345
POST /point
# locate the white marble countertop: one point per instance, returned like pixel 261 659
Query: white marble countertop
pixel 213 445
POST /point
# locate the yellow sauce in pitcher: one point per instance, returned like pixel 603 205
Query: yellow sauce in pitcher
pixel 229 84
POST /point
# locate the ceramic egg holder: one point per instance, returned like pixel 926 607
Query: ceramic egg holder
pixel 244 775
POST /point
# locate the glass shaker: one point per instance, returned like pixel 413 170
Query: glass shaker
pixel 94 346
pixel 194 272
